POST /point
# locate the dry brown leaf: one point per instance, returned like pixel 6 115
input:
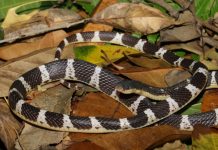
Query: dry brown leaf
pixel 57 99
pixel 84 146
pixel 209 101
pixel 186 18
pixel 211 41
pixel 175 76
pixel 134 17
pixel 13 69
pixel 148 63
pixel 10 127
pixel 98 104
pixel 44 21
pixel 211 65
pixel 210 59
pixel 101 105
pixel 179 34
pixel 154 77
pixel 176 145
pixel 51 39
pixel 193 47
pixel 145 138
pixel 100 27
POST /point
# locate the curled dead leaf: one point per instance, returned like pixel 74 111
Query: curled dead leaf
pixel 135 17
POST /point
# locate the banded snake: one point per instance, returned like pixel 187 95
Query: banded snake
pixel 176 97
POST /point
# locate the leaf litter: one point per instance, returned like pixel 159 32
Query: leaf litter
pixel 131 17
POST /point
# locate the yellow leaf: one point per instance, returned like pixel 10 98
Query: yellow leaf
pixel 204 138
pixel 94 55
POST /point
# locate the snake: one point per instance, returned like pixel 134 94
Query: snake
pixel 176 97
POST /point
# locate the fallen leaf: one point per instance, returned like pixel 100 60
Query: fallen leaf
pixel 91 105
pixel 94 55
pixel 140 139
pixel 204 138
pixel 179 34
pixel 44 21
pixel 192 46
pixel 210 41
pixel 10 126
pixel 12 17
pixel 84 145
pixel 98 104
pixel 57 99
pixel 49 40
pixel 209 101
pixel 13 69
pixel 185 17
pixel 175 76
pixel 154 77
pixel 211 54
pixel 176 145
pixel 210 58
pixel 135 17
pixel 100 27
pixel 148 63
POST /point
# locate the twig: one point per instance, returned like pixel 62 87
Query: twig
pixel 18 140
pixel 105 57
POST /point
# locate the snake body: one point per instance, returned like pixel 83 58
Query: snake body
pixel 176 97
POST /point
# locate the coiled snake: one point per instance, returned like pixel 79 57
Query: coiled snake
pixel 176 97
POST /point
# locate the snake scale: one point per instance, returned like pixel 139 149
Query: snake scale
pixel 176 97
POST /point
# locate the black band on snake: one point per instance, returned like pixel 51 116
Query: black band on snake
pixel 176 97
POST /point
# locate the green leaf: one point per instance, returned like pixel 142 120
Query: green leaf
pixel 162 9
pixel 137 35
pixel 180 53
pixel 153 38
pixel 88 6
pixel 6 4
pixel 195 57
pixel 195 108
pixel 206 8
pixel 173 4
